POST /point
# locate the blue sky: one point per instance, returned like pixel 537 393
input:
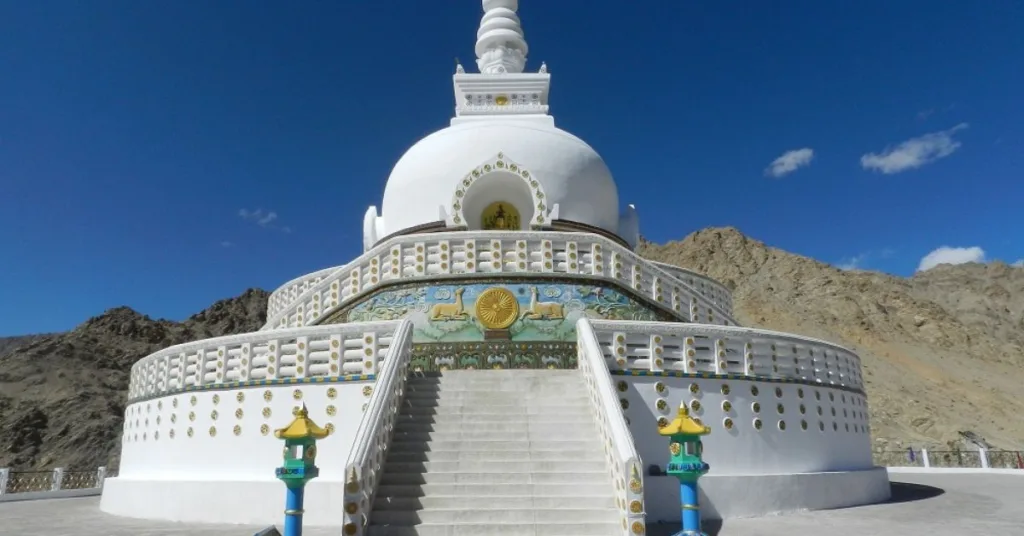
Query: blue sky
pixel 132 134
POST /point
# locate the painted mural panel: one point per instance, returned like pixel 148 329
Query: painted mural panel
pixel 475 312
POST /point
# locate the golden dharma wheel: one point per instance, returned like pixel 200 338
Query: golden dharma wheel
pixel 497 308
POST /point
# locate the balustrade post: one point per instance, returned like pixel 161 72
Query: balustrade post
pixel 101 475
pixel 924 458
pixel 58 479
pixel 5 475
pixel 983 456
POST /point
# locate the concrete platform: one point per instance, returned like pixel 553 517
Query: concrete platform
pixel 932 504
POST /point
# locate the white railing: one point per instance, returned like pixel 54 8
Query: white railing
pixel 707 287
pixel 310 352
pixel 428 256
pixel 53 484
pixel 373 437
pixel 695 348
pixel 290 291
pixel 623 461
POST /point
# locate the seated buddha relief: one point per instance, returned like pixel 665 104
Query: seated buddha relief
pixel 500 216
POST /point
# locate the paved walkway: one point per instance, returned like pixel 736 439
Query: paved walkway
pixel 932 504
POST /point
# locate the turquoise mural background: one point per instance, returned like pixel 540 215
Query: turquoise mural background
pixel 455 323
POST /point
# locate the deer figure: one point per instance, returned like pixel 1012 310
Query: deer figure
pixel 543 310
pixel 450 311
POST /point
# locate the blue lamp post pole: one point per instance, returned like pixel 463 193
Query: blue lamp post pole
pixel 299 466
pixel 685 464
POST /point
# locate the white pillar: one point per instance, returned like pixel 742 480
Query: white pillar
pixel 101 475
pixel 983 456
pixel 5 475
pixel 924 458
pixel 58 479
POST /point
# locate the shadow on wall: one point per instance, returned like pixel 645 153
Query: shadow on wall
pixel 902 492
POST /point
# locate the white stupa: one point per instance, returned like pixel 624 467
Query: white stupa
pixel 497 357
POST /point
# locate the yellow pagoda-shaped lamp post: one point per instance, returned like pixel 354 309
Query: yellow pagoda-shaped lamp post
pixel 299 456
pixel 685 448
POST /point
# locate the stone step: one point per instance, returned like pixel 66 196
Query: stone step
pixel 554 396
pixel 483 467
pixel 451 408
pixel 496 386
pixel 530 428
pixel 487 490
pixel 491 444
pixel 593 455
pixel 495 515
pixel 490 502
pixel 473 418
pixel 577 477
pixel 550 404
pixel 478 435
pixel 497 529
pixel 522 375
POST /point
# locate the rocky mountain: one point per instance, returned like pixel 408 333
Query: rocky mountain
pixel 943 351
pixel 8 344
pixel 62 396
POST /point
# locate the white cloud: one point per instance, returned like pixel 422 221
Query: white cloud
pixel 1019 264
pixel 227 244
pixel 858 262
pixel 949 255
pixel 852 263
pixel 914 152
pixel 263 218
pixel 789 162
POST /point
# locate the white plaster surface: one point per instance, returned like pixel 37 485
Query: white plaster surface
pixel 966 504
pixel 571 173
pixel 224 455
pixel 744 450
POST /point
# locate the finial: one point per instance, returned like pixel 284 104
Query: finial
pixel 459 69
pixel 500 44
pixel 543 67
pixel 683 410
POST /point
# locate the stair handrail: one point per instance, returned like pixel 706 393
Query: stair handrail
pixel 373 436
pixel 620 452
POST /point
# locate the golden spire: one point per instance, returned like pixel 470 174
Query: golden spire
pixel 302 427
pixel 684 424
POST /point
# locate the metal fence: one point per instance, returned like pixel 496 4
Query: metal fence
pixel 967 459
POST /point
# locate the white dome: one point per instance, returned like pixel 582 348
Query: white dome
pixel 571 175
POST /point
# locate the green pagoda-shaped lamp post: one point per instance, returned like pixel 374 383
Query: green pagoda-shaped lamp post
pixel 684 435
pixel 299 456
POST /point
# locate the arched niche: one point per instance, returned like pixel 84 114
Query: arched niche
pixel 499 182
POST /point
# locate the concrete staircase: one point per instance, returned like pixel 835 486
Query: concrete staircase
pixel 509 452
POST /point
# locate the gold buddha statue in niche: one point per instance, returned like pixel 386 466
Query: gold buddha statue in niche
pixel 500 216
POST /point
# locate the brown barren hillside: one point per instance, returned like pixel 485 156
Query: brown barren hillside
pixel 943 351
pixel 62 396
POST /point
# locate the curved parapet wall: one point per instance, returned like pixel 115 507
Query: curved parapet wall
pixel 290 291
pixel 785 412
pixel 691 349
pixel 775 402
pixel 522 254
pixel 301 355
pixel 706 286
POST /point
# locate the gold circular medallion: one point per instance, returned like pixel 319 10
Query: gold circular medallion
pixel 501 100
pixel 497 308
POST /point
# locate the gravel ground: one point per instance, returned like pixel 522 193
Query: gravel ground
pixel 923 504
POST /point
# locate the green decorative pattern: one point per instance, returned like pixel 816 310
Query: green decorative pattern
pixel 548 310
pixel 434 357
